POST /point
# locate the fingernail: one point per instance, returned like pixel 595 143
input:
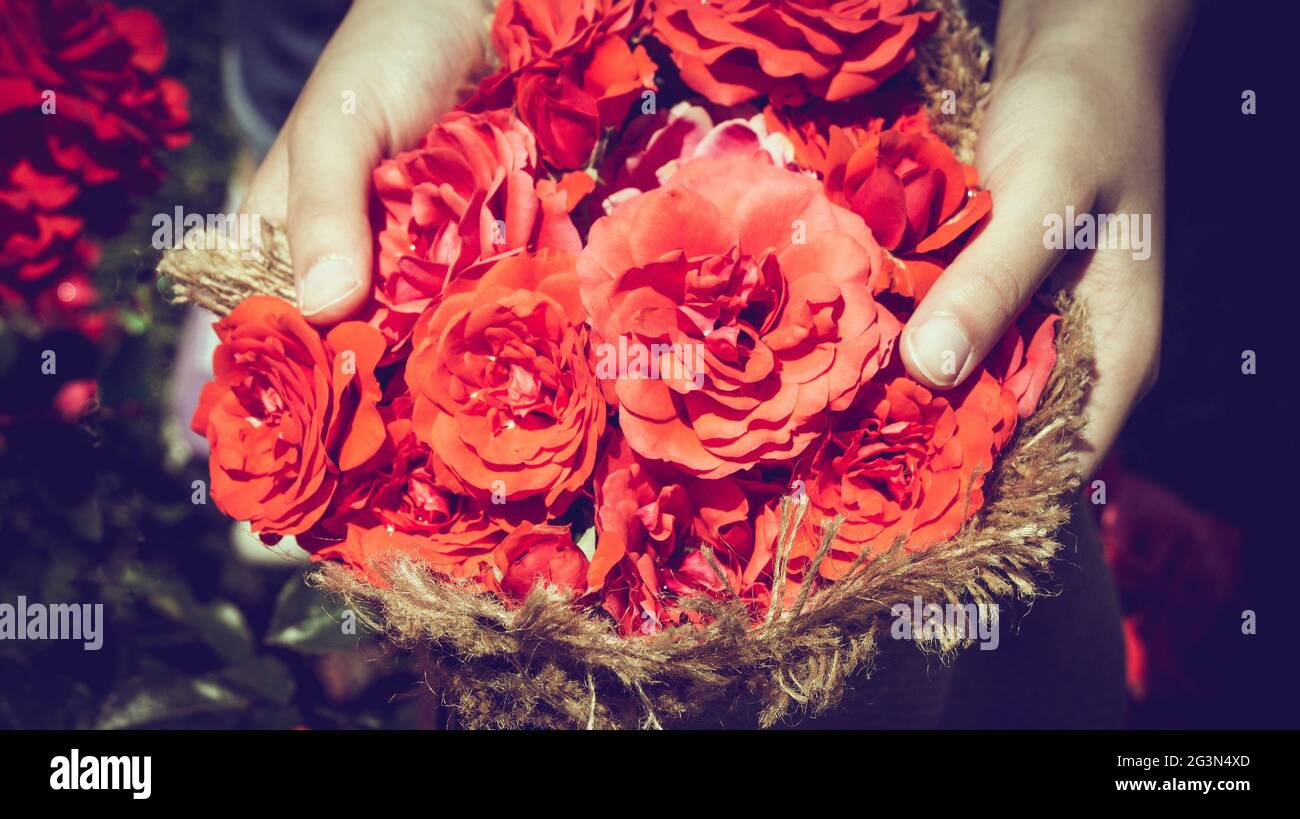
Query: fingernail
pixel 328 282
pixel 940 349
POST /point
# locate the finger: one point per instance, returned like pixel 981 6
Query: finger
pixel 331 151
pixel 267 196
pixel 967 310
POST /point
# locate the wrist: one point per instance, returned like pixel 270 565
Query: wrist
pixel 1133 43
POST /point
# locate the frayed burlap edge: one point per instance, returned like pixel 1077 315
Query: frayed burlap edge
pixel 952 70
pixel 220 270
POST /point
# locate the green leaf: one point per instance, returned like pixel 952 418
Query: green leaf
pixel 220 624
pixel 145 701
pixel 139 702
pixel 135 323
pixel 310 621
pixel 266 679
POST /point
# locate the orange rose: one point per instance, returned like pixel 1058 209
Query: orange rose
pixel 503 391
pixel 732 51
pixel 758 293
pixel 367 548
pixel 906 185
pixel 906 461
pixel 913 193
pixel 394 504
pixel 286 411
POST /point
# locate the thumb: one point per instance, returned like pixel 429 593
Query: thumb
pixel 969 307
pixel 331 154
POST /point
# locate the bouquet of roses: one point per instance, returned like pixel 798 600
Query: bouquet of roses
pixel 623 426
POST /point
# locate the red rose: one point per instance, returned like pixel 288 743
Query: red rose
pixel 567 67
pixel 547 554
pixel 40 238
pixel 44 258
pixel 468 195
pixel 907 186
pixel 738 518
pixel 735 50
pixel 638 519
pixel 651 520
pixel 82 106
pixel 906 462
pixel 565 117
pixel 754 295
pixel 45 261
pixel 503 391
pixel 394 504
pixel 808 128
pixel 1025 356
pixel 286 412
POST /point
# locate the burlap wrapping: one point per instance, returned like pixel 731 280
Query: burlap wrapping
pixel 546 664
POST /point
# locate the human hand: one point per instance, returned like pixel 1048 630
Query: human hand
pixel 1075 120
pixel 388 72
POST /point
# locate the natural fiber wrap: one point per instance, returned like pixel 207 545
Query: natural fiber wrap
pixel 546 664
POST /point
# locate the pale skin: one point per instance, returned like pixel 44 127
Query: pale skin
pixel 1075 118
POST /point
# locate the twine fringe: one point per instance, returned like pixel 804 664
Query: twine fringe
pixel 955 59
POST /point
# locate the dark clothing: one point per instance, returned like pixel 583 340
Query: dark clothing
pixel 1058 664
pixel 271 49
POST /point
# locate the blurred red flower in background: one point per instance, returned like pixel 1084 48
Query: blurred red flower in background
pixel 1176 570
pixel 84 116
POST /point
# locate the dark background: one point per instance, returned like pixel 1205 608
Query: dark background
pixel 1225 441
